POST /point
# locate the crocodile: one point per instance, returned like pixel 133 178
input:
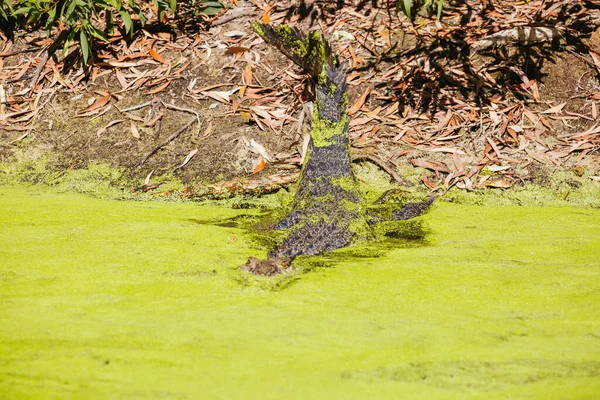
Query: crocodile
pixel 327 211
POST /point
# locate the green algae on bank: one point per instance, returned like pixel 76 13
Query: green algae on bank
pixel 118 299
pixel 564 188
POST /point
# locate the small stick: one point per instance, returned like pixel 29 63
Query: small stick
pixel 47 54
pixel 188 110
pixel 166 142
pixel 383 165
pixel 135 107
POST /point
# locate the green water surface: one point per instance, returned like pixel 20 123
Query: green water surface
pixel 117 299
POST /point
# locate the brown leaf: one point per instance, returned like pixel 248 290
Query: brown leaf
pixel 499 183
pixel 247 76
pixel 236 50
pixel 223 97
pixel 432 165
pixel 101 102
pixel 260 166
pixel 160 88
pixel 428 183
pixel 121 78
pixel 359 103
pixel 154 54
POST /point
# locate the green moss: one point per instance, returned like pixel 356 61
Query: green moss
pixel 323 131
pixel 332 88
pixel 360 229
pixel 119 299
pixel 257 27
pixel 347 183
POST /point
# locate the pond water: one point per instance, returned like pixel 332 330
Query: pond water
pixel 119 299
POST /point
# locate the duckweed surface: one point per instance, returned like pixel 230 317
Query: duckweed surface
pixel 108 299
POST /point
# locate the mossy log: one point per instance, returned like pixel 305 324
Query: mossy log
pixel 327 213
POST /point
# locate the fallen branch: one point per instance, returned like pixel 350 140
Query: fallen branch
pixel 250 187
pixel 522 35
pixel 166 142
pixel 182 109
pixel 47 54
pixel 137 107
pixel 382 164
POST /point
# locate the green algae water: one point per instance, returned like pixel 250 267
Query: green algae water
pixel 116 299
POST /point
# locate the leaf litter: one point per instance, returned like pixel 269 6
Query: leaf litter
pixel 413 101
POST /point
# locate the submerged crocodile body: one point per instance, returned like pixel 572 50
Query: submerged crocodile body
pixel 326 213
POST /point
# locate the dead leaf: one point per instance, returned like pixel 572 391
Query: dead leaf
pixel 160 88
pixel 101 102
pixel 208 129
pixel 554 110
pixel 359 103
pixel 190 155
pixel 111 123
pixel 236 50
pixel 134 131
pixel 147 180
pixel 499 184
pixel 223 97
pixel 596 60
pixel 432 165
pixel 121 78
pixel 260 166
pixel 154 54
pixel 428 183
pixel 266 17
pixel 258 148
pixel 443 150
pixel 246 116
pixel 247 76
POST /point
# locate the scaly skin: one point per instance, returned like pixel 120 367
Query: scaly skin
pixel 327 212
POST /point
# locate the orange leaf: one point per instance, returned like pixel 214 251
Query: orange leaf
pixel 160 88
pixel 101 102
pixel 266 18
pixel 154 54
pixel 236 50
pixel 428 183
pixel 359 103
pixel 260 166
pixel 247 74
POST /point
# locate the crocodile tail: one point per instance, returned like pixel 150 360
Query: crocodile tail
pixel 310 51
